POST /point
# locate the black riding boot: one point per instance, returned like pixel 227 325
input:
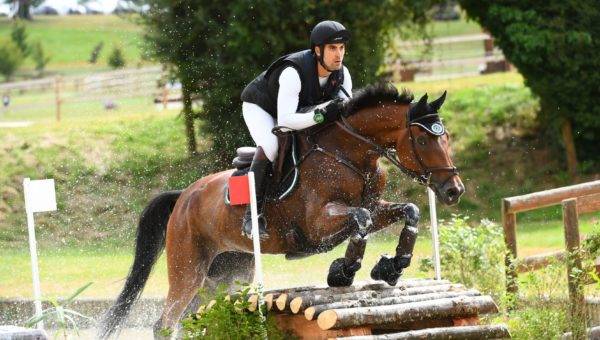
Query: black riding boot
pixel 261 166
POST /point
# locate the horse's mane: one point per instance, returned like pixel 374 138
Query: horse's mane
pixel 380 93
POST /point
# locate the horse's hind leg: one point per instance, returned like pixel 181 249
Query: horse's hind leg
pixel 225 269
pixel 389 268
pixel 188 265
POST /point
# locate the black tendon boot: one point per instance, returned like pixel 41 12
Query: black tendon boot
pixel 261 166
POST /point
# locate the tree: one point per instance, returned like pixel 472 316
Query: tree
pixel 24 7
pixel 39 57
pixel 555 45
pixel 11 58
pixel 116 58
pixel 18 35
pixel 216 48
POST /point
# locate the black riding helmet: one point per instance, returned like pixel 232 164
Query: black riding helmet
pixel 328 32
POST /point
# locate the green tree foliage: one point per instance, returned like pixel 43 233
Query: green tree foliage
pixel 39 56
pixel 217 48
pixel 116 59
pixel 96 53
pixel 11 58
pixel 555 45
pixel 18 35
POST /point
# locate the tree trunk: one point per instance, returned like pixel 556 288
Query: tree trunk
pixel 188 115
pixel 567 134
pixel 23 10
pixel 313 312
pixel 455 308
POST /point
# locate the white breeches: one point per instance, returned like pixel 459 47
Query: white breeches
pixel 260 124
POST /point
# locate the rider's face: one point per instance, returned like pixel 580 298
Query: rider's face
pixel 333 56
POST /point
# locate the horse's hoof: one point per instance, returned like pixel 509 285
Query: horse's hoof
pixel 340 275
pixel 385 270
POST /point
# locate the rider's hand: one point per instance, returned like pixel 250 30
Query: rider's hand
pixel 333 110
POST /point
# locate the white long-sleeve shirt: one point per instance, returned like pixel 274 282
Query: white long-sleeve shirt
pixel 288 97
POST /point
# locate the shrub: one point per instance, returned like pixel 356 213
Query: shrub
pixel 58 316
pixel 473 256
pixel 11 58
pixel 39 57
pixel 228 318
pixel 19 36
pixel 96 53
pixel 116 58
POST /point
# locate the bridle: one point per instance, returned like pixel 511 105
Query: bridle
pixel 392 155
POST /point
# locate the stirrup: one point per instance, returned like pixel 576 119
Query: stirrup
pixel 262 228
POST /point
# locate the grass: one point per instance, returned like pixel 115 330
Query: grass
pixel 70 40
pixel 64 269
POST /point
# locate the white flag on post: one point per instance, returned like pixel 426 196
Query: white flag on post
pixel 39 197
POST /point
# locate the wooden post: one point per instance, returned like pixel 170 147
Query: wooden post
pixel 574 267
pixel 509 222
pixel 57 95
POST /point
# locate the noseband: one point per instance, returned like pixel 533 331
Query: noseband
pixel 392 155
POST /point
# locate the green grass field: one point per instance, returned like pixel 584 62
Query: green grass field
pixel 70 41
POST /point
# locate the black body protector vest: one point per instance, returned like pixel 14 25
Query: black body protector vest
pixel 263 90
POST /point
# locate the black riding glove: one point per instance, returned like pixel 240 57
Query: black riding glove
pixel 332 111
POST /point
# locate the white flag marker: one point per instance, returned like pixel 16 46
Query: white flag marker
pixel 39 196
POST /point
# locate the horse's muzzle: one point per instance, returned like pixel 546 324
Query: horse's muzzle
pixel 449 193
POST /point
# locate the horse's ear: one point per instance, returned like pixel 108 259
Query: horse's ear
pixel 422 104
pixel 419 108
pixel 436 104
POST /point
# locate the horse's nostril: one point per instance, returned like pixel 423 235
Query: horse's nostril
pixel 452 193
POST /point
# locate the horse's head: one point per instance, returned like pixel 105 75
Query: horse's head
pixel 380 118
pixel 429 156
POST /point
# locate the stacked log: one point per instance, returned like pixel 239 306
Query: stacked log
pixel 413 309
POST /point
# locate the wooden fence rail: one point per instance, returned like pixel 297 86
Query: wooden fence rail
pixel 576 200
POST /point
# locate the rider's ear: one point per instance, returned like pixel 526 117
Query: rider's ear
pixel 436 104
pixel 318 51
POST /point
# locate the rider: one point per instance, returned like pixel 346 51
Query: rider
pixel 294 81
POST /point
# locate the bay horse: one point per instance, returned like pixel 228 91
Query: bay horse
pixel 339 198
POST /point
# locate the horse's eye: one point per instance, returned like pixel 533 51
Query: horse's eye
pixel 421 140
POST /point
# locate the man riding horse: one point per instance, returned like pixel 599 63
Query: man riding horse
pixel 294 81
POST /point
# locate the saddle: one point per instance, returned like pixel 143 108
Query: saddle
pixel 285 176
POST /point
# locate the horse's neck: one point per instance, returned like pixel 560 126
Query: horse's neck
pixel 336 142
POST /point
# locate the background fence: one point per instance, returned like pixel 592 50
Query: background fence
pixel 450 57
pixel 32 98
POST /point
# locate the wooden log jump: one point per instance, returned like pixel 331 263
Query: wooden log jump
pixel 413 309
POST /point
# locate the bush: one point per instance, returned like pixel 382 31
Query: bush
pixel 19 36
pixel 116 58
pixel 96 53
pixel 473 256
pixel 228 318
pixel 11 58
pixel 39 57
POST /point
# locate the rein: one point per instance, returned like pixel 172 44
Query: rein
pixel 390 154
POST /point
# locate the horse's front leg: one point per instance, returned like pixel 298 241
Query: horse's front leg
pixel 342 270
pixel 389 268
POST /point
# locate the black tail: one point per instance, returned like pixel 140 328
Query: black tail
pixel 149 244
